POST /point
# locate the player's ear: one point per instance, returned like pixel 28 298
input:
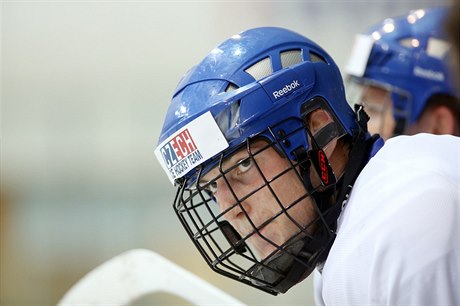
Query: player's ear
pixel 318 119
pixel 443 120
pixel 322 127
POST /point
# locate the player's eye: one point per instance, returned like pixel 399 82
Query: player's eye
pixel 244 165
pixel 209 186
pixel 212 187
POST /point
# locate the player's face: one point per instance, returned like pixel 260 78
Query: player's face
pixel 378 105
pixel 246 197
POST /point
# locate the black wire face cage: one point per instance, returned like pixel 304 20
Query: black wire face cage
pixel 255 216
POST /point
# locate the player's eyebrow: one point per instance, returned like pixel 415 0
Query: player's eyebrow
pixel 232 160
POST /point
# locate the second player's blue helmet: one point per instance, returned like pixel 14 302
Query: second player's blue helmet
pixel 258 85
pixel 408 56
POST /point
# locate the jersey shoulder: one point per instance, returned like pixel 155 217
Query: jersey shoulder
pixel 424 152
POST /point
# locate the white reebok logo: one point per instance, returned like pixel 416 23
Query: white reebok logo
pixel 429 74
pixel 286 89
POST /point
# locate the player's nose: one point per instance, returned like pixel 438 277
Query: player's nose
pixel 227 199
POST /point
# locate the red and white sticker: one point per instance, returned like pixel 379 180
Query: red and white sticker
pixel 190 146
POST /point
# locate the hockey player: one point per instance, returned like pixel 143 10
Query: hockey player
pixel 401 71
pixel 277 177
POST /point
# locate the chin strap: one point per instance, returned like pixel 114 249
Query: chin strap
pixel 358 157
pixel 364 147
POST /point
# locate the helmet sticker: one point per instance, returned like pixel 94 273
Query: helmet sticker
pixel 360 53
pixel 190 146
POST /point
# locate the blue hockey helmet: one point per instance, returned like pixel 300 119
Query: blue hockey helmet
pixel 408 56
pixel 259 84
pixel 254 80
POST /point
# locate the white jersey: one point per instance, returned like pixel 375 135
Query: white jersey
pixel 398 238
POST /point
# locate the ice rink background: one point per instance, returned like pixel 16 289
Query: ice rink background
pixel 84 88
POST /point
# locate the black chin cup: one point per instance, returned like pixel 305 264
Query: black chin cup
pixel 294 263
pixel 275 268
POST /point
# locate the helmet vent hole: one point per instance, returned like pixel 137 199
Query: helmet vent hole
pixel 316 58
pixel 260 69
pixel 437 47
pixel 409 43
pixel 231 87
pixel 290 58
